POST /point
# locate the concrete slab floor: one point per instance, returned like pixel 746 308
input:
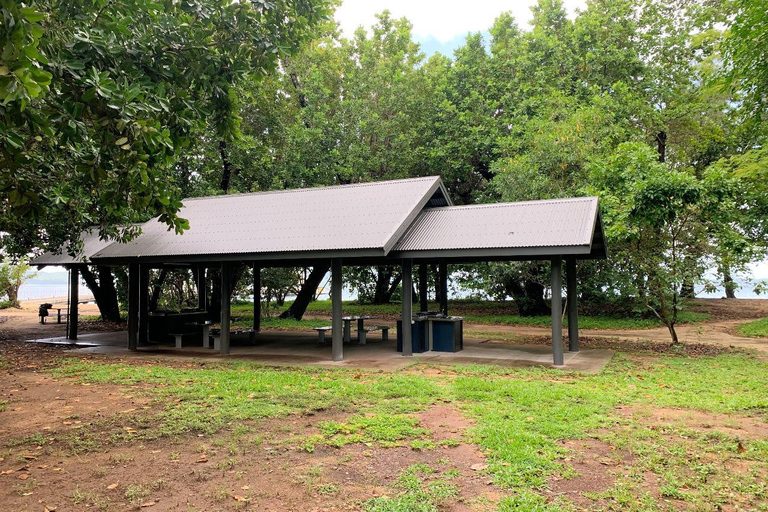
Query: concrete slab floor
pixel 288 348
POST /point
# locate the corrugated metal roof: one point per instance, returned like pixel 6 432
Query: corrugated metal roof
pixel 345 217
pixel 529 224
pixel 91 245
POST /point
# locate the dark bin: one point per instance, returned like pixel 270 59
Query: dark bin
pixel 447 334
pixel 419 334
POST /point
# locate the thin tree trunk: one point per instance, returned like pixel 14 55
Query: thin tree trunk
pixel 307 292
pixel 157 290
pixel 226 165
pixel 728 283
pixel 661 145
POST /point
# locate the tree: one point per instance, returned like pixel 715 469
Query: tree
pixel 746 55
pixel 663 222
pixel 100 99
pixel 12 276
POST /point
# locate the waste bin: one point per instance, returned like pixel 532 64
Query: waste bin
pixel 418 334
pixel 447 334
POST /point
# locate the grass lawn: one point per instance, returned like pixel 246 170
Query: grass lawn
pixel 756 329
pixel 483 312
pixel 669 430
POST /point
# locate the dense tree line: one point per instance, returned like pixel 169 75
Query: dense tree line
pixel 657 106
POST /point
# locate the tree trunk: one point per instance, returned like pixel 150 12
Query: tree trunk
pixel 104 292
pixel 661 145
pixel 673 333
pixel 687 291
pixel 728 283
pixel 157 290
pixel 529 298
pixel 226 174
pixel 387 281
pixel 307 292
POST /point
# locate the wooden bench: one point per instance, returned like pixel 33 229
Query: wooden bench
pixel 321 333
pixel 383 328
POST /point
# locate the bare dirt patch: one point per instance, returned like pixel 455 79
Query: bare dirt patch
pixel 246 467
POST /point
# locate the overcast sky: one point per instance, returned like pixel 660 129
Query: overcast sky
pixel 440 25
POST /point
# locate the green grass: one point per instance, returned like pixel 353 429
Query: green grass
pixel 521 416
pixel 756 329
pixel 482 312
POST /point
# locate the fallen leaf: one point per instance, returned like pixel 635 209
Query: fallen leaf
pixel 202 458
pixel 42 466
pixel 155 451
pixel 30 457
pixel 23 476
pixel 478 467
pixel 113 486
pixel 237 497
pixel 148 504
pixel 741 448
pixel 56 469
pixel 7 472
pixel 50 509
pixel 245 487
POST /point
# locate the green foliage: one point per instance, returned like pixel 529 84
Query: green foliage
pixel 99 98
pixel 745 55
pixel 12 276
pixel 663 223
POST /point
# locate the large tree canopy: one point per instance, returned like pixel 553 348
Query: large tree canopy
pixel 99 97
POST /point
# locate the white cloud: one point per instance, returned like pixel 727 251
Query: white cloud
pixel 442 20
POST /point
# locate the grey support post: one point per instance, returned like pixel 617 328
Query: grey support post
pixel 74 297
pixel 133 306
pixel 557 311
pixel 143 304
pixel 573 305
pixel 202 289
pixel 442 271
pixel 423 302
pixel 226 298
pixel 337 341
pixel 407 284
pixel 256 297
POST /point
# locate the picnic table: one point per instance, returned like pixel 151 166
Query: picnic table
pixel 360 327
pixel 205 326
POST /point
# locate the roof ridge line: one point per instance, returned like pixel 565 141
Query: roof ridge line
pixel 498 205
pixel 305 189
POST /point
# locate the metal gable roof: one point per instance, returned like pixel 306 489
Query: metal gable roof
pixel 91 245
pixel 366 216
pixel 530 225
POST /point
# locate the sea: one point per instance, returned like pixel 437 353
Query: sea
pixel 53 282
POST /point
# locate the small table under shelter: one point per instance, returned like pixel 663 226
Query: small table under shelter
pixel 360 327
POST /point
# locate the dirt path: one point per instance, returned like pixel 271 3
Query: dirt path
pixel 726 316
pixel 720 333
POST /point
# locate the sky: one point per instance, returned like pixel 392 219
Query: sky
pixel 440 25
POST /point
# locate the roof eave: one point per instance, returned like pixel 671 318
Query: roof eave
pixel 496 252
pixel 237 257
